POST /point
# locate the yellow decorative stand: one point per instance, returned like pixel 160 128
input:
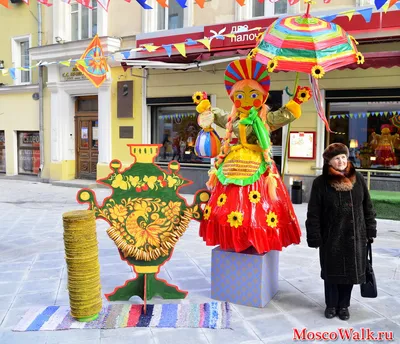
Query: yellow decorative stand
pixel 82 256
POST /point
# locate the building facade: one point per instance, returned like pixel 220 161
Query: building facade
pixel 19 106
pixel 148 98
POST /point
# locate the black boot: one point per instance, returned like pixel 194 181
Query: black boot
pixel 344 313
pixel 330 312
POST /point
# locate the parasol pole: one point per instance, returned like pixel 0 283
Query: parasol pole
pixel 288 131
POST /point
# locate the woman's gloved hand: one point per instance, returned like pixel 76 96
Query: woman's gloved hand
pixel 370 240
pixel 302 95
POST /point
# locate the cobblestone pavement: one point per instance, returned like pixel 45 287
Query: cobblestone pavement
pixel 32 272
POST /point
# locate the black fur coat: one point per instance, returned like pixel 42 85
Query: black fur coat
pixel 340 218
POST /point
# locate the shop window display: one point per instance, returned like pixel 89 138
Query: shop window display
pixel 176 129
pixel 371 130
pixel 28 152
pixel 2 152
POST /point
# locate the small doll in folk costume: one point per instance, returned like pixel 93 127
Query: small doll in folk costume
pixel 249 204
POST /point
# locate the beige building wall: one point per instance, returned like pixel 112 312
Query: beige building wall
pixel 124 19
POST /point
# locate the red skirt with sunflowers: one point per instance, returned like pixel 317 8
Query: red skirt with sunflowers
pixel 238 217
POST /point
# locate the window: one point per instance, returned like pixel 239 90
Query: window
pixel 371 130
pixel 83 21
pixel 361 3
pixel 267 9
pixel 176 129
pixel 28 152
pixel 254 9
pixel 21 58
pixel 2 152
pixel 170 18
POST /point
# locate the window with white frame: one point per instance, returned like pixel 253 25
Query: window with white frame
pixel 361 3
pixel 255 8
pixel 83 20
pixel 21 58
pixel 169 18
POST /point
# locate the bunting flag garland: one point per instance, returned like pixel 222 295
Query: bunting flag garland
pixel 379 4
pixel 93 64
pixel 367 114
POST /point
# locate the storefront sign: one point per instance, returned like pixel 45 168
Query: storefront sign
pixel 242 37
pixel 71 74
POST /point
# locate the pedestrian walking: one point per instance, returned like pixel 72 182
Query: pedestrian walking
pixel 340 222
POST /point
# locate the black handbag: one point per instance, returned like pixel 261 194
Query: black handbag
pixel 369 289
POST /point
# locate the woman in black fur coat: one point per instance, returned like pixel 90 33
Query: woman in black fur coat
pixel 340 221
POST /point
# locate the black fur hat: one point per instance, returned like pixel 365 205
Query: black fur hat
pixel 334 149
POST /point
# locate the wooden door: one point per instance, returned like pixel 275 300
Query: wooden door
pixel 87 151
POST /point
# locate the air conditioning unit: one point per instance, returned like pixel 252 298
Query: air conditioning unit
pixel 16 1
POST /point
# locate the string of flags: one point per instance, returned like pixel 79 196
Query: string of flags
pixel 178 116
pixel 366 114
pixel 384 4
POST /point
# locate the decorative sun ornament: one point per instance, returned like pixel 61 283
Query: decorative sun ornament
pixel 235 219
pixel 317 71
pixel 304 94
pixel 221 200
pixel 252 54
pixel 198 97
pixel 207 212
pixel 254 197
pixel 259 37
pixel 272 219
pixel 360 58
pixel 272 64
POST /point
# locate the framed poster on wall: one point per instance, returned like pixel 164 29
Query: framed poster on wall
pixel 302 145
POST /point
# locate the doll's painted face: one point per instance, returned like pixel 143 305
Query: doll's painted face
pixel 247 97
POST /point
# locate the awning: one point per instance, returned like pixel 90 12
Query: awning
pixel 380 59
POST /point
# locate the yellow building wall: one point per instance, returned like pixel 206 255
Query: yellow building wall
pixel 166 83
pixel 18 20
pixel 120 150
pixel 18 112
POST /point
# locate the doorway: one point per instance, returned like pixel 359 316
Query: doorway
pixel 86 134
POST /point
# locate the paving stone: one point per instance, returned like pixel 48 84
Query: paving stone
pixel 178 336
pixel 8 288
pixel 36 299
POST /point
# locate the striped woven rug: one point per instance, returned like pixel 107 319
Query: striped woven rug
pixel 206 315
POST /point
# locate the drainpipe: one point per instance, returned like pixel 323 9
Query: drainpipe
pixel 41 117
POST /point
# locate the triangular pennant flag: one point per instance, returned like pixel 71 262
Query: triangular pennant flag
pixel 126 54
pixel 385 113
pixel 23 68
pixel 104 4
pixel 291 2
pixel 381 113
pixel 12 73
pixel 392 2
pixel 190 41
pixel 150 48
pixel 66 63
pixel 398 5
pixel 168 49
pixel 85 3
pixel 182 3
pixel 4 71
pixel 329 18
pixel 241 2
pixel 334 116
pixel 206 42
pixel 143 4
pixel 366 13
pixel 394 112
pixel 230 35
pixel 351 115
pixel 200 3
pixel 46 2
pixel 162 3
pixel 181 48
pixel 93 63
pixel 4 3
pixel 349 14
pixel 379 4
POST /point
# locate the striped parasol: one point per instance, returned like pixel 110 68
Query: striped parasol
pixel 306 44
